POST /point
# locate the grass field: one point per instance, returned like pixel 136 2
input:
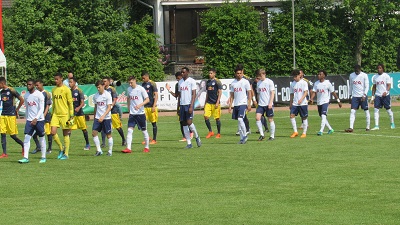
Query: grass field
pixel 331 179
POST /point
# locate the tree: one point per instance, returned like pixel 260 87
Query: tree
pixel 92 38
pixel 231 36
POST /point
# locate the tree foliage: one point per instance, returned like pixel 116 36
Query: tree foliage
pixel 231 36
pixel 92 38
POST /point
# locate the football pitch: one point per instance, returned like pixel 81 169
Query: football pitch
pixel 340 178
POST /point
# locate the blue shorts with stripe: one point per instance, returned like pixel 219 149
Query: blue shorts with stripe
pixel 32 129
pixel 104 126
pixel 139 120
pixel 356 102
pixel 302 109
pixel 380 102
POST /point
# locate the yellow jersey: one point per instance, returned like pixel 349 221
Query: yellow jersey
pixel 62 101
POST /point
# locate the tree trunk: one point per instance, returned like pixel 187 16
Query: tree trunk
pixel 359 46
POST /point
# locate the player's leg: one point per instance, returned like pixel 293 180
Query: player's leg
pixel 207 115
pixel 66 134
pixel 3 137
pixel 259 115
pixel 12 129
pixel 242 114
pixel 192 127
pixel 96 128
pixel 55 123
pixel 387 105
pixel 116 124
pixel 106 125
pixel 129 135
pixel 28 131
pixel 183 116
pixel 39 127
pixel 304 116
pixel 47 131
pixel 153 118
pixel 103 139
pixel 217 116
pixel 142 124
pixel 294 111
pixel 247 124
pixel 364 106
pixel 80 123
pixel 355 104
pixel 377 105
pixel 37 143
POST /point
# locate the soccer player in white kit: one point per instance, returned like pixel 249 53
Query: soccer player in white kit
pixel 34 103
pixel 186 99
pixel 359 85
pixel 324 89
pixel 240 96
pixel 266 94
pixel 137 99
pixel 298 103
pixel 102 101
pixel 381 95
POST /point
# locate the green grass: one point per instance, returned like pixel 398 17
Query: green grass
pixel 333 179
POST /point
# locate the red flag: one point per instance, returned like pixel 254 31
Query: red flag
pixel 1 26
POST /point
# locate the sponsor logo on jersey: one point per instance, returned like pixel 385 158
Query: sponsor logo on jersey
pixel 262 89
pixel 238 89
pixel 57 96
pixel 133 97
pixel 184 88
pixel 298 90
pixel 32 103
pixel 356 82
pixel 320 91
pixel 101 103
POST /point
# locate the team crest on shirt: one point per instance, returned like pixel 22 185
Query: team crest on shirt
pixel 8 93
pixel 148 86
pixel 76 94
pixel 213 83
pixel 5 99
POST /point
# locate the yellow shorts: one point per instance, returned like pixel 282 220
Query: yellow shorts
pixel 115 121
pixel 151 116
pixel 60 121
pixel 47 129
pixel 79 123
pixel 8 125
pixel 210 110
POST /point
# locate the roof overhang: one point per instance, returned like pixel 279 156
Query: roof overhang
pixel 206 4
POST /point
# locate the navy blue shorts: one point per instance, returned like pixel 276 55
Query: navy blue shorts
pixel 264 110
pixel 38 128
pixel 139 120
pixel 302 109
pixel 184 114
pixel 323 109
pixel 356 102
pixel 104 126
pixel 382 101
pixel 239 111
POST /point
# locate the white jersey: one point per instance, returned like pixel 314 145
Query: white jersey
pixel 239 89
pixel 264 89
pixel 34 104
pixel 185 88
pixel 323 90
pixel 359 84
pixel 102 101
pixel 381 82
pixel 136 96
pixel 298 89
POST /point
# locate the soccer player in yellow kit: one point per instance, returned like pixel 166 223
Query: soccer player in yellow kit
pixel 63 114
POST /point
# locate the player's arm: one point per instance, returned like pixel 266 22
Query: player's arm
pixel 40 109
pixel 47 107
pixel 109 106
pixel 230 102
pixel 350 88
pixel 70 104
pixel 191 108
pixel 249 97
pixel 21 102
pixel 219 85
pixel 337 99
pixel 291 100
pixel 303 97
pixel 155 97
pixel 388 86
pixel 114 96
pixel 179 101
pixel 366 87
pixel 82 97
pixel 146 100
pixel 312 96
pixel 271 99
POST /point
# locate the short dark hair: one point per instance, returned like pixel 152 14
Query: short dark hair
pixel 2 80
pixel 108 78
pixel 177 74
pixel 99 82
pixel 324 72
pixel 237 69
pixel 295 73
pixel 58 74
pixel 30 80
pixel 357 67
pixel 131 78
pixel 213 70
pixel 145 73
pixel 185 68
pixel 73 78
pixel 239 66
pixel 39 81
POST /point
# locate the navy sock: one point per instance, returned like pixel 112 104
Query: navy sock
pixel 4 143
pixel 85 134
pixel 154 131
pixel 16 139
pixel 49 141
pixel 208 124
pixel 219 126
pixel 264 122
pixel 246 123
pixel 121 133
pixel 35 138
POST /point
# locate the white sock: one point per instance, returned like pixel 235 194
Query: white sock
pixel 146 138
pixel 272 128
pixel 390 113
pixel 129 138
pixel 110 144
pixel 193 129
pixel 305 122
pixel 27 145
pixel 376 117
pixel 97 143
pixel 260 129
pixel 294 125
pixel 187 134
pixel 323 122
pixel 328 125
pixel 43 146
pixel 242 127
pixel 352 117
pixel 367 118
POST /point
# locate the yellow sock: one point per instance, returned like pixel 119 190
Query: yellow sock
pixel 57 140
pixel 66 141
